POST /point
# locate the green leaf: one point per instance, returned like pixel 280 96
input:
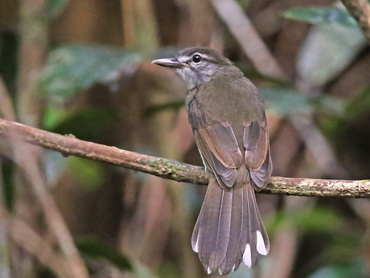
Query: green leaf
pixel 156 108
pixel 326 52
pixel 352 268
pixel 358 106
pixel 253 73
pixel 318 220
pixel 321 15
pixel 72 68
pixel 284 101
pixel 88 172
pixel 98 250
pixel 86 124
pixel 53 8
pixel 141 271
pixel 287 101
pixel 54 115
pixel 330 105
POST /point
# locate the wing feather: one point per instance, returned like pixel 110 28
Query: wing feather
pixel 222 143
pixel 257 154
pixel 220 151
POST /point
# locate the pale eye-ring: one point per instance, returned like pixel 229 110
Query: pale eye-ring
pixel 196 58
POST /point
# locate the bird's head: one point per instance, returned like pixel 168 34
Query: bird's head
pixel 197 65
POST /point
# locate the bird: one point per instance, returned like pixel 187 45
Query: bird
pixel 228 120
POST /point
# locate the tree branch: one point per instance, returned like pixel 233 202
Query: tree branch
pixel 174 170
pixel 360 10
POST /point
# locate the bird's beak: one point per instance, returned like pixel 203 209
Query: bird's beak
pixel 169 62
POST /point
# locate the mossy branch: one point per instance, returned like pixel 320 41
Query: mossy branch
pixel 174 170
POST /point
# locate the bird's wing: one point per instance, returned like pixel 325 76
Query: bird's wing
pixel 257 153
pixel 220 152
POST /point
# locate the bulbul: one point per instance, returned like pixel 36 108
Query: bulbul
pixel 227 116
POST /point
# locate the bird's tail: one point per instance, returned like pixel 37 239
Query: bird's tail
pixel 229 229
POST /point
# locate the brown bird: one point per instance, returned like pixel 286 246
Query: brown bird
pixel 228 119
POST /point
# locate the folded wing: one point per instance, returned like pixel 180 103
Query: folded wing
pixel 257 153
pixel 220 152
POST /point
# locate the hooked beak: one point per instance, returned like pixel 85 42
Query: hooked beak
pixel 169 62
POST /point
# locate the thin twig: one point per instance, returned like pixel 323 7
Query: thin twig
pixel 174 170
pixel 360 10
pixel 26 238
pixel 23 155
pixel 26 157
pixel 32 51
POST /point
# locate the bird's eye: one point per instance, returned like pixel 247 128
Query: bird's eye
pixel 197 58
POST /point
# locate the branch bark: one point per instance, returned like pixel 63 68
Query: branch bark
pixel 174 170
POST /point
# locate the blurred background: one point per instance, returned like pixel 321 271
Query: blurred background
pixel 83 68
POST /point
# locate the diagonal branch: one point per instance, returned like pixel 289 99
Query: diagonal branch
pixel 360 9
pixel 174 170
pixel 247 36
pixel 25 237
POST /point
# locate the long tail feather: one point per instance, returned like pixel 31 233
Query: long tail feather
pixel 229 229
pixel 211 233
